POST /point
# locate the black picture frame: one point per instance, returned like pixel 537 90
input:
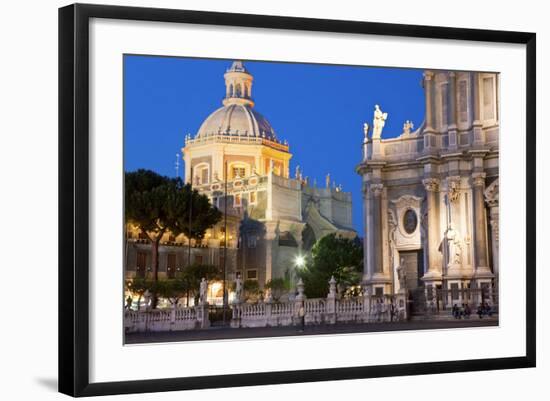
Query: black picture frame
pixel 74 198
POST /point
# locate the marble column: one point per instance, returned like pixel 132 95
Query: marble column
pixel 477 124
pixel 452 112
pixel 377 255
pixel 480 224
pixel 494 221
pixel 432 188
pixel 428 90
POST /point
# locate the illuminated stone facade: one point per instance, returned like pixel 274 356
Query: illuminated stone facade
pixel 271 217
pixel 431 194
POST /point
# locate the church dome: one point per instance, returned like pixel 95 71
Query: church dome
pixel 238 120
pixel 237 117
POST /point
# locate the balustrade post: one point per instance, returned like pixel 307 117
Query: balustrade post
pixel 268 305
pixel 173 316
pixel 331 310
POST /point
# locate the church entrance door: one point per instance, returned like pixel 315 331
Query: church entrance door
pixel 413 266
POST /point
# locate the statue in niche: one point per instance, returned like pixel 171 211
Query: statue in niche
pixel 394 253
pixel 454 246
pixel 378 122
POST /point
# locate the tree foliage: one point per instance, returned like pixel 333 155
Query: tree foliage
pixel 251 290
pixel 335 256
pixel 278 287
pixel 158 204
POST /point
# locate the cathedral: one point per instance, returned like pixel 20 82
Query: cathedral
pixel 271 218
pixel 431 205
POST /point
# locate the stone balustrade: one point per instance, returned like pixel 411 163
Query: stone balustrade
pixel 330 310
pixel 174 319
pixel 319 311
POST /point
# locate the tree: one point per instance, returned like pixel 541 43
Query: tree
pixel 138 285
pixel 278 287
pixel 195 273
pixel 158 204
pixel 332 255
pixel 251 290
pixel 173 289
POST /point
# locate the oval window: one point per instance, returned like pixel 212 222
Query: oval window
pixel 410 221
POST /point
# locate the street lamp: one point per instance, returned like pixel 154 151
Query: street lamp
pixel 300 261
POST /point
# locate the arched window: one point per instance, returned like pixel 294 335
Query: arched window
pixel 202 172
pixel 239 170
pixel 238 92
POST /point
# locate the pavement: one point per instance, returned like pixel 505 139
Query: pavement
pixel 224 332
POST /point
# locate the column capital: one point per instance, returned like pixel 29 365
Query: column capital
pixel 376 189
pixel 431 184
pixel 478 179
pixel 428 75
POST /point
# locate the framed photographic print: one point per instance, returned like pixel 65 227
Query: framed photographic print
pixel 249 199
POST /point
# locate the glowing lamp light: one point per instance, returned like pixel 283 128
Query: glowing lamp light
pixel 300 261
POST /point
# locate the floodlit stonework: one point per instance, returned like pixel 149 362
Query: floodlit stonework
pixel 272 217
pixel 430 195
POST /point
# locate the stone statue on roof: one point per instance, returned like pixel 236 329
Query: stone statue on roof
pixel 378 122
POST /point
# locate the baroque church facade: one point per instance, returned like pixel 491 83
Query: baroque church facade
pixel 238 161
pixel 431 204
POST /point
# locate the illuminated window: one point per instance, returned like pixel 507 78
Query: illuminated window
pixel 239 172
pixel 252 197
pixel 252 274
pixel 204 176
pixel 238 200
pixel 202 173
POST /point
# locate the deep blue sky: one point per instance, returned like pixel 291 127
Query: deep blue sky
pixel 319 109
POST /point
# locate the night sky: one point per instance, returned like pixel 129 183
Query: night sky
pixel 319 109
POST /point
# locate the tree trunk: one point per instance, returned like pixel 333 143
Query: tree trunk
pixel 155 267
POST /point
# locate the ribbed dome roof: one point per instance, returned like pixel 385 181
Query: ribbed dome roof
pixel 236 119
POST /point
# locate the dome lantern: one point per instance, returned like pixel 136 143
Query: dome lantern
pixel 238 85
